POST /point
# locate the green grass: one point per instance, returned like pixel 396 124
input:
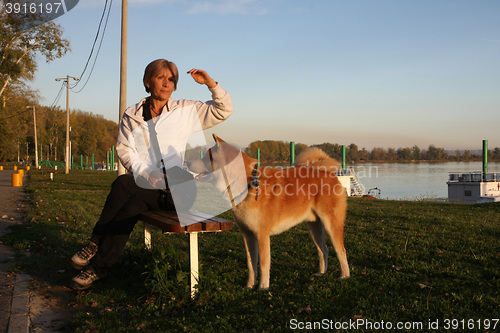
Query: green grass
pixel 410 262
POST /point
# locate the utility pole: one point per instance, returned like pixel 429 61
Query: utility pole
pixel 66 80
pixel 36 141
pixel 70 149
pixel 123 72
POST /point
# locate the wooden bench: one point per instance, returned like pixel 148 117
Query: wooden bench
pixel 169 223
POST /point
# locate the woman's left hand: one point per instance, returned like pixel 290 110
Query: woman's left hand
pixel 156 179
pixel 202 77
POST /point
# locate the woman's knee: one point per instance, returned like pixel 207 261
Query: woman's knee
pixel 124 182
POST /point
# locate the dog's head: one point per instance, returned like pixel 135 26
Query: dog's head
pixel 224 166
pixel 221 154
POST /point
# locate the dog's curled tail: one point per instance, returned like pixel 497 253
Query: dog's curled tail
pixel 314 157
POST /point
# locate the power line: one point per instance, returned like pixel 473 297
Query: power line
pixel 93 46
pixel 58 96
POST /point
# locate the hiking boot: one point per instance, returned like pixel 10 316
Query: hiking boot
pixel 82 258
pixel 86 277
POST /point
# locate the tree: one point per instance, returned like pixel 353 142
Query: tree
pixel 496 154
pixel 18 48
pixel 16 124
pixel 467 155
pixel 404 154
pixel 299 148
pixel 436 154
pixel 417 154
pixel 378 154
pixel 352 152
pixel 364 155
pixel 392 154
pixel 273 151
pixel 333 150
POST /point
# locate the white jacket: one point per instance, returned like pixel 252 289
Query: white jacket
pixel 173 128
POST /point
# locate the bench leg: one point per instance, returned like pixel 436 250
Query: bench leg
pixel 193 261
pixel 147 235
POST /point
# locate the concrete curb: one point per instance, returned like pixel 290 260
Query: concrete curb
pixel 19 312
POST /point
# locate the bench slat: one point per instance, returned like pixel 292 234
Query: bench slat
pixel 165 224
pixel 208 217
pixel 168 221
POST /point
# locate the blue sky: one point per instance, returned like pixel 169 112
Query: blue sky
pixel 378 73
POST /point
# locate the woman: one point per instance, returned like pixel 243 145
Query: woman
pixel 151 143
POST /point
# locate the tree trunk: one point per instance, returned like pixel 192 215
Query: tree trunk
pixel 5 85
pixel 8 76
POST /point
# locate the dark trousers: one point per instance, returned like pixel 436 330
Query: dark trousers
pixel 125 202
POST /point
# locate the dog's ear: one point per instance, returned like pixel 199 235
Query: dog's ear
pixel 217 139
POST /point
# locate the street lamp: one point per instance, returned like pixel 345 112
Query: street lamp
pixel 36 142
pixel 66 80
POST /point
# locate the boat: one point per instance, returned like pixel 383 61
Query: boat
pixel 475 187
pixel 373 193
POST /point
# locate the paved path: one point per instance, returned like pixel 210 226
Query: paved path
pixel 14 296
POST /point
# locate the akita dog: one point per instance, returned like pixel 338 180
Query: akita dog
pixel 277 200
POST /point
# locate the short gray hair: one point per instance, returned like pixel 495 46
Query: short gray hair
pixel 156 66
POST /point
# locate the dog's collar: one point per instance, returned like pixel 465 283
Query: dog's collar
pixel 255 181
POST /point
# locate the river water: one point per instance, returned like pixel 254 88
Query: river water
pixel 414 181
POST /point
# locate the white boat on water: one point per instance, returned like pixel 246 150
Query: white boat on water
pixel 475 187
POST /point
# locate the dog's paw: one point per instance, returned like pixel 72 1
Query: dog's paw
pixel 264 286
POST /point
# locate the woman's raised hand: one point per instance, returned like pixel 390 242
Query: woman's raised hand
pixel 202 77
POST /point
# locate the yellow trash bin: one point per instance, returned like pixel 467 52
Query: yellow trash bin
pixel 15 167
pixel 21 172
pixel 17 180
pixel 1 167
pixel 28 168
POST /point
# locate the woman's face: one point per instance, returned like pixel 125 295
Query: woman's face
pixel 161 85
